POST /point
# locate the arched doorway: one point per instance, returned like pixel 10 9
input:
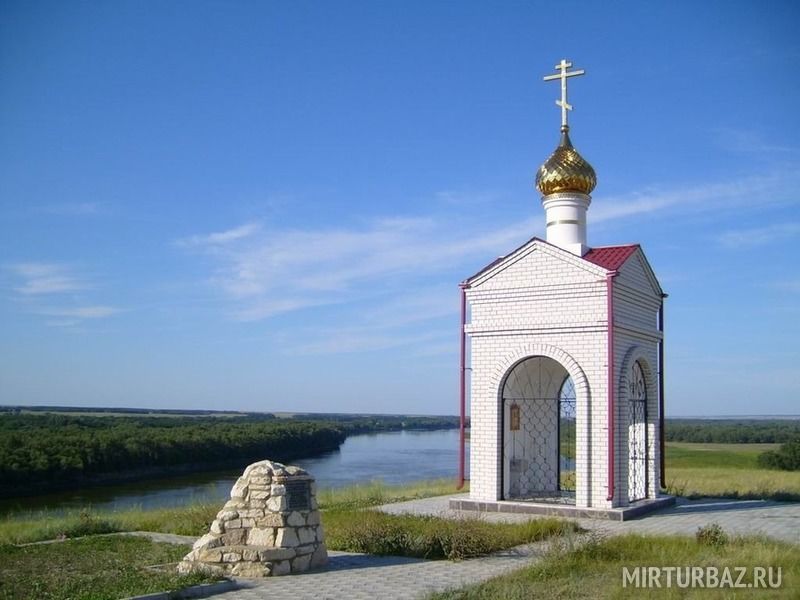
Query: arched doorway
pixel 539 432
pixel 637 433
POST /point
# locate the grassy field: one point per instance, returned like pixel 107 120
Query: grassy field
pixel 113 566
pixel 96 567
pixel 722 470
pixel 376 493
pixel 595 570
pixel 727 470
pixel 194 519
pixel 733 456
pixel 91 568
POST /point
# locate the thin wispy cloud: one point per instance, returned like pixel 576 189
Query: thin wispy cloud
pixel 420 304
pixel 771 189
pixel 747 141
pixel 787 285
pixel 39 278
pixel 220 238
pixel 424 318
pixel 466 198
pixel 759 236
pixel 80 312
pixel 63 323
pixel 283 270
pixel 343 340
pixel 56 291
pixel 392 269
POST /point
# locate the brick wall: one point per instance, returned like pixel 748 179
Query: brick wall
pixel 543 301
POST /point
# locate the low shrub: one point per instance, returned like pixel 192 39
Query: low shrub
pixel 88 524
pixel 429 537
pixel 785 458
pixel 711 535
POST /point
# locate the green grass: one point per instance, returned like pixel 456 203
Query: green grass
pixel 595 570
pixel 347 525
pixel 429 537
pixel 376 493
pixel 732 456
pixel 192 519
pixel 91 569
pixel 22 528
pixel 745 484
pixel 727 471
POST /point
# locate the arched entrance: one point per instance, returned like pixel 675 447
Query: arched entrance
pixel 539 432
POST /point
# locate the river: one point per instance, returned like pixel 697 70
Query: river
pixel 393 457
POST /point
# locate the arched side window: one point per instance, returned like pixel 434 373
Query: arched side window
pixel 637 433
pixel 567 435
pixel 567 391
pixel 637 390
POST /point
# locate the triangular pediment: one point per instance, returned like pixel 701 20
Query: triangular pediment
pixel 534 257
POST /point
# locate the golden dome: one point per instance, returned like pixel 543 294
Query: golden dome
pixel 565 170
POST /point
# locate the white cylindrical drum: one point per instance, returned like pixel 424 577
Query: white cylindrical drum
pixel 566 220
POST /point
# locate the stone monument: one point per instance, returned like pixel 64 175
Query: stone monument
pixel 270 526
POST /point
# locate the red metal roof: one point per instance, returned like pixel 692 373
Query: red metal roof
pixel 610 257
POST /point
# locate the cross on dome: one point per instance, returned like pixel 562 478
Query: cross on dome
pixel 565 106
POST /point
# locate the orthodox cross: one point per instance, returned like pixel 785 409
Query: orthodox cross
pixel 565 106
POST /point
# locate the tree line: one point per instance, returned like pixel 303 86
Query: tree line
pixel 740 431
pixel 39 452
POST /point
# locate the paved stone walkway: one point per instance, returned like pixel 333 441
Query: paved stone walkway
pixel 359 576
pixel 365 577
pixel 778 520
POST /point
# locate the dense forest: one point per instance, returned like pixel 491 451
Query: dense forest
pixel 46 451
pixel 729 431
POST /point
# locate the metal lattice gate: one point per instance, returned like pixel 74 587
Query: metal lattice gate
pixel 539 432
pixel 637 434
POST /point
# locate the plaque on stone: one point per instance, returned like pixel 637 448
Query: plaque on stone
pixel 267 528
pixel 298 495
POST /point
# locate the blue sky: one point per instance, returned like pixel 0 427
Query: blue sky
pixel 269 206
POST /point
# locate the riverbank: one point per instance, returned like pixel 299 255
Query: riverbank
pixel 44 453
pixel 395 458
pixel 194 519
pixel 150 475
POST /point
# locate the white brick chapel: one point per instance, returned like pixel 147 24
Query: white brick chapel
pixel 565 360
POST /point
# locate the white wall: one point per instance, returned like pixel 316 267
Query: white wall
pixel 543 301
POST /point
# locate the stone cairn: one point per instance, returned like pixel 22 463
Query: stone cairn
pixel 270 526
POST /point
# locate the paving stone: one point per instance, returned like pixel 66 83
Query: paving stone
pixel 355 576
